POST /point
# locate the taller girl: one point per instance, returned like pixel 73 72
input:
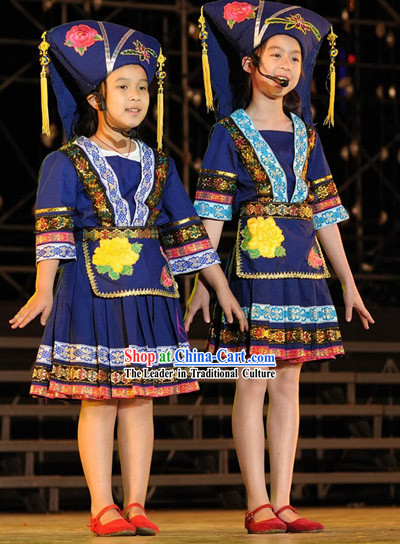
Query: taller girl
pixel 265 162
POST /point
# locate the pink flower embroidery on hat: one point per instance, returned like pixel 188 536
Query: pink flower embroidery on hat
pixel 237 12
pixel 80 37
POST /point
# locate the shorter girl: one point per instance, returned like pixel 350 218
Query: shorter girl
pixel 265 162
pixel 114 212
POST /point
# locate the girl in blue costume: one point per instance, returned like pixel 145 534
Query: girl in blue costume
pixel 265 162
pixel 114 213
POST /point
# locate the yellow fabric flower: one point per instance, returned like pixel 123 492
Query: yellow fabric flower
pixel 266 236
pixel 115 253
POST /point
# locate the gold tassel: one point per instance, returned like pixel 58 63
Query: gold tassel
pixel 204 61
pixel 330 121
pixel 44 61
pixel 160 98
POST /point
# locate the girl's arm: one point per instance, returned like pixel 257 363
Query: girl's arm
pixel 42 300
pixel 200 297
pixel 333 246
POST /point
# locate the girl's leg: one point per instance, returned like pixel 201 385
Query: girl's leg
pixel 135 442
pixel 282 432
pixel 249 437
pixel 95 441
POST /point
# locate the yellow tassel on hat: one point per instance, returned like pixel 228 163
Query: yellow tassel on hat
pixel 44 61
pixel 332 77
pixel 205 62
pixel 160 74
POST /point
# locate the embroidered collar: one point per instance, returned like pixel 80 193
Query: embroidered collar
pixel 109 179
pixel 269 161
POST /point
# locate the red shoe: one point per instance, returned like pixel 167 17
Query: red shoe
pixel 143 525
pixel 273 525
pixel 117 527
pixel 301 525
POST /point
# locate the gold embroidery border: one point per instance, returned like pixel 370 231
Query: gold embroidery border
pixel 181 222
pixel 218 173
pixel 48 210
pixel 276 275
pixel 126 292
pixel 94 234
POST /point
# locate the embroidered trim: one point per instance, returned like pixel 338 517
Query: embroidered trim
pixel 52 210
pixel 109 180
pixel 140 51
pixel 183 235
pixel 54 222
pixel 330 217
pixel 270 208
pixel 325 204
pixel 188 249
pixel 54 390
pixel 221 173
pixel 146 182
pixel 321 180
pixel 216 182
pixel 312 137
pixel 268 160
pixel 183 221
pixel 55 251
pixel 292 314
pixel 192 263
pixel 214 197
pixel 249 158
pixel 294 355
pixel 214 211
pixel 55 237
pixel 91 235
pixel 91 183
pixel 161 171
pixel 295 21
pixel 95 355
pixel 280 336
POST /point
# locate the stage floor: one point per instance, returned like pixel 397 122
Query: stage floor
pixel 343 525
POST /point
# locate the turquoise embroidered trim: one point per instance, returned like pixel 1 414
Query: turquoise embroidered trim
pixel 330 217
pixel 270 163
pixel 291 314
pixel 213 211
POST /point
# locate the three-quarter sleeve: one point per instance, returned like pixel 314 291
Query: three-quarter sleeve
pixel 183 235
pixel 327 206
pixel 217 179
pixel 55 208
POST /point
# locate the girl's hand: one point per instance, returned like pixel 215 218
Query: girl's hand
pixel 352 299
pixel 200 298
pixel 231 308
pixel 40 303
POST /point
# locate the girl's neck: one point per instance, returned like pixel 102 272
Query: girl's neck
pixel 107 138
pixel 268 114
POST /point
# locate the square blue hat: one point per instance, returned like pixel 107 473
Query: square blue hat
pixel 233 30
pixel 81 54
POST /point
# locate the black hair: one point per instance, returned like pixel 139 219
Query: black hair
pixel 241 84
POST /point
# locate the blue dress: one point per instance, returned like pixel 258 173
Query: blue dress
pixel 121 228
pixel 280 187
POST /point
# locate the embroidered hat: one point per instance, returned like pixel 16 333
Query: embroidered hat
pixel 81 54
pixel 230 31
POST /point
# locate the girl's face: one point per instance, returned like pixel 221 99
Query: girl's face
pixel 127 96
pixel 280 57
